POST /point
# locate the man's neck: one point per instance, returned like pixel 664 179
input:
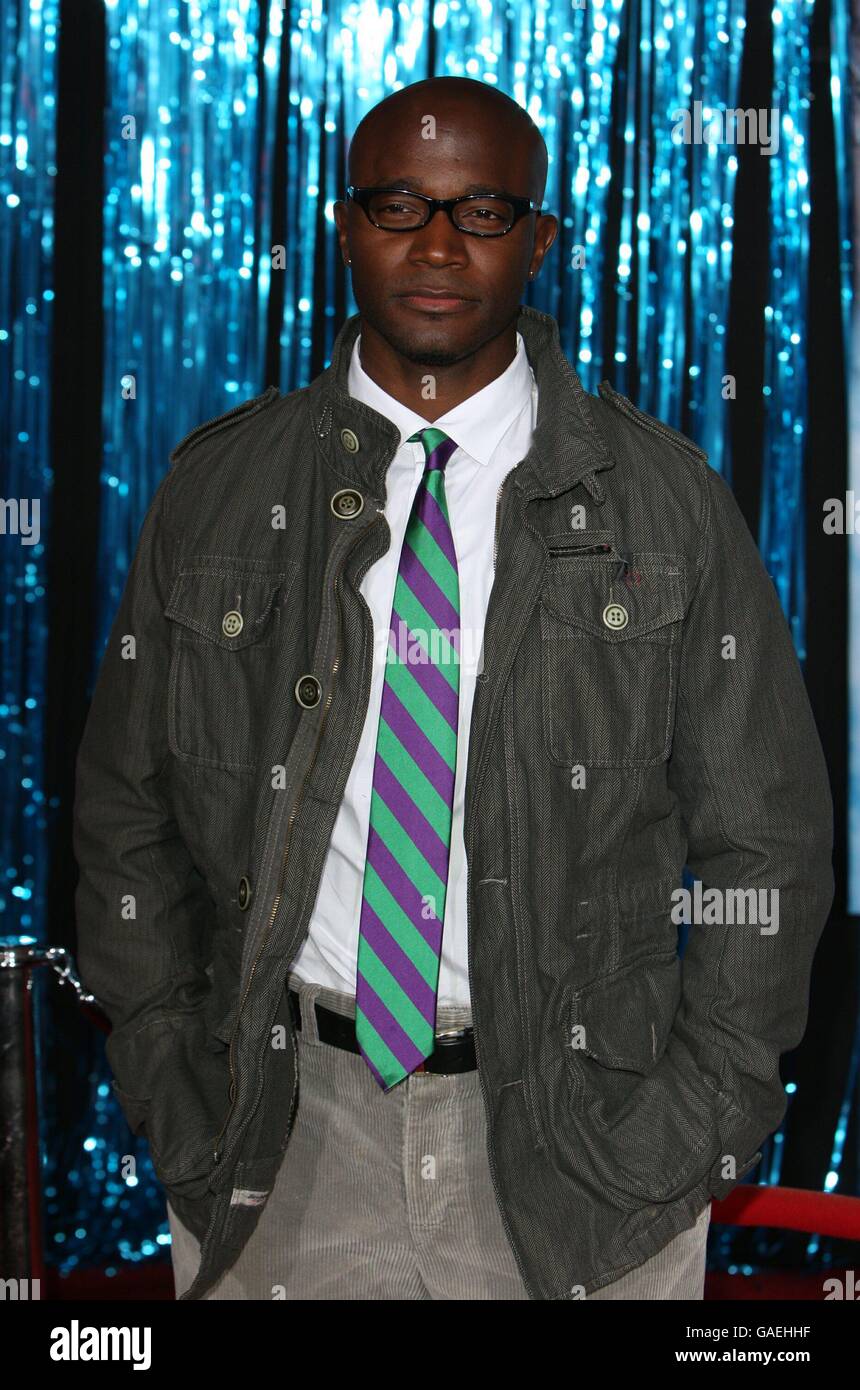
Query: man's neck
pixel 454 382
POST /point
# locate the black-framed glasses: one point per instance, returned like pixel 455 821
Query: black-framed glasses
pixel 479 214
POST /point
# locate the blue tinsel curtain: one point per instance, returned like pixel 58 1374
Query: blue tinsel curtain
pixel 225 135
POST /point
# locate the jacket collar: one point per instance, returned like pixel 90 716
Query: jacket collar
pixel 566 445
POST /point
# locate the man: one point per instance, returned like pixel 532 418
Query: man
pixel 390 946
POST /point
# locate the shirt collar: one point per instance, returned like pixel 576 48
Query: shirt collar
pixel 478 423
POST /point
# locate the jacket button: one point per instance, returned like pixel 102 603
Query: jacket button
pixel 244 893
pixel 615 616
pixel 347 503
pixel 232 623
pixel 349 440
pixel 308 691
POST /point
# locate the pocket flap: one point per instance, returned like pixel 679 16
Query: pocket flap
pixel 229 606
pixel 580 589
pixel 625 1020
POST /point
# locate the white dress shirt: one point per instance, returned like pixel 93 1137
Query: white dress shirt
pixel 493 430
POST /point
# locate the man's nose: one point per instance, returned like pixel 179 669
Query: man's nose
pixel 438 237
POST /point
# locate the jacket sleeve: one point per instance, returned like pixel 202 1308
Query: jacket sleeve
pixel 144 913
pixel 749 775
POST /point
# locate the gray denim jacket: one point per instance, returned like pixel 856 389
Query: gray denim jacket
pixel 640 707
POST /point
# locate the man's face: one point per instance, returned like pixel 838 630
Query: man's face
pixel 485 274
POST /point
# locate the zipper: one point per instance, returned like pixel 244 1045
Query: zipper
pixel 581 550
pixel 498 516
pixel 475 1037
pixel 559 550
pixel 288 837
pixel 507 722
pixel 475 1029
pixel 496 532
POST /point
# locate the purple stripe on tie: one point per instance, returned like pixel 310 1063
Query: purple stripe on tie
pixel 434 519
pixel 397 963
pixel 416 743
pixel 402 889
pixel 413 820
pixel 428 592
pixel 439 456
pixel 387 1027
pixel 427 676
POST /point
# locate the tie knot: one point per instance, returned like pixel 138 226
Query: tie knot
pixel 438 448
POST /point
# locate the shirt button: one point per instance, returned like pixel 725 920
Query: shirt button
pixel 347 503
pixel 244 893
pixel 308 691
pixel 349 440
pixel 232 623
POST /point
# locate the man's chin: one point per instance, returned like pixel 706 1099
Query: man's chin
pixel 433 352
pixel 432 357
pixel 426 344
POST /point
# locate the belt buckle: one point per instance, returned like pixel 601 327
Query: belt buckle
pixel 445 1036
pixel 449 1035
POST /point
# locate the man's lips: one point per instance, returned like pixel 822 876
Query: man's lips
pixel 436 301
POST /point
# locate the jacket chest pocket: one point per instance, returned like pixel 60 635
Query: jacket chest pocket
pixel 224 648
pixel 610 643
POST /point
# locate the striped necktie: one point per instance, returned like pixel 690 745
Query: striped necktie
pixel 409 839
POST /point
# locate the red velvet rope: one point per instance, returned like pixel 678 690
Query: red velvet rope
pixel 791 1209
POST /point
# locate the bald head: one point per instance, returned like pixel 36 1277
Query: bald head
pixel 462 106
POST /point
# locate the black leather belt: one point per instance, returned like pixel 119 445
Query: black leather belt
pixel 454 1050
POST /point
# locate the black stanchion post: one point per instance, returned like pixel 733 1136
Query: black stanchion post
pixel 21 1252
